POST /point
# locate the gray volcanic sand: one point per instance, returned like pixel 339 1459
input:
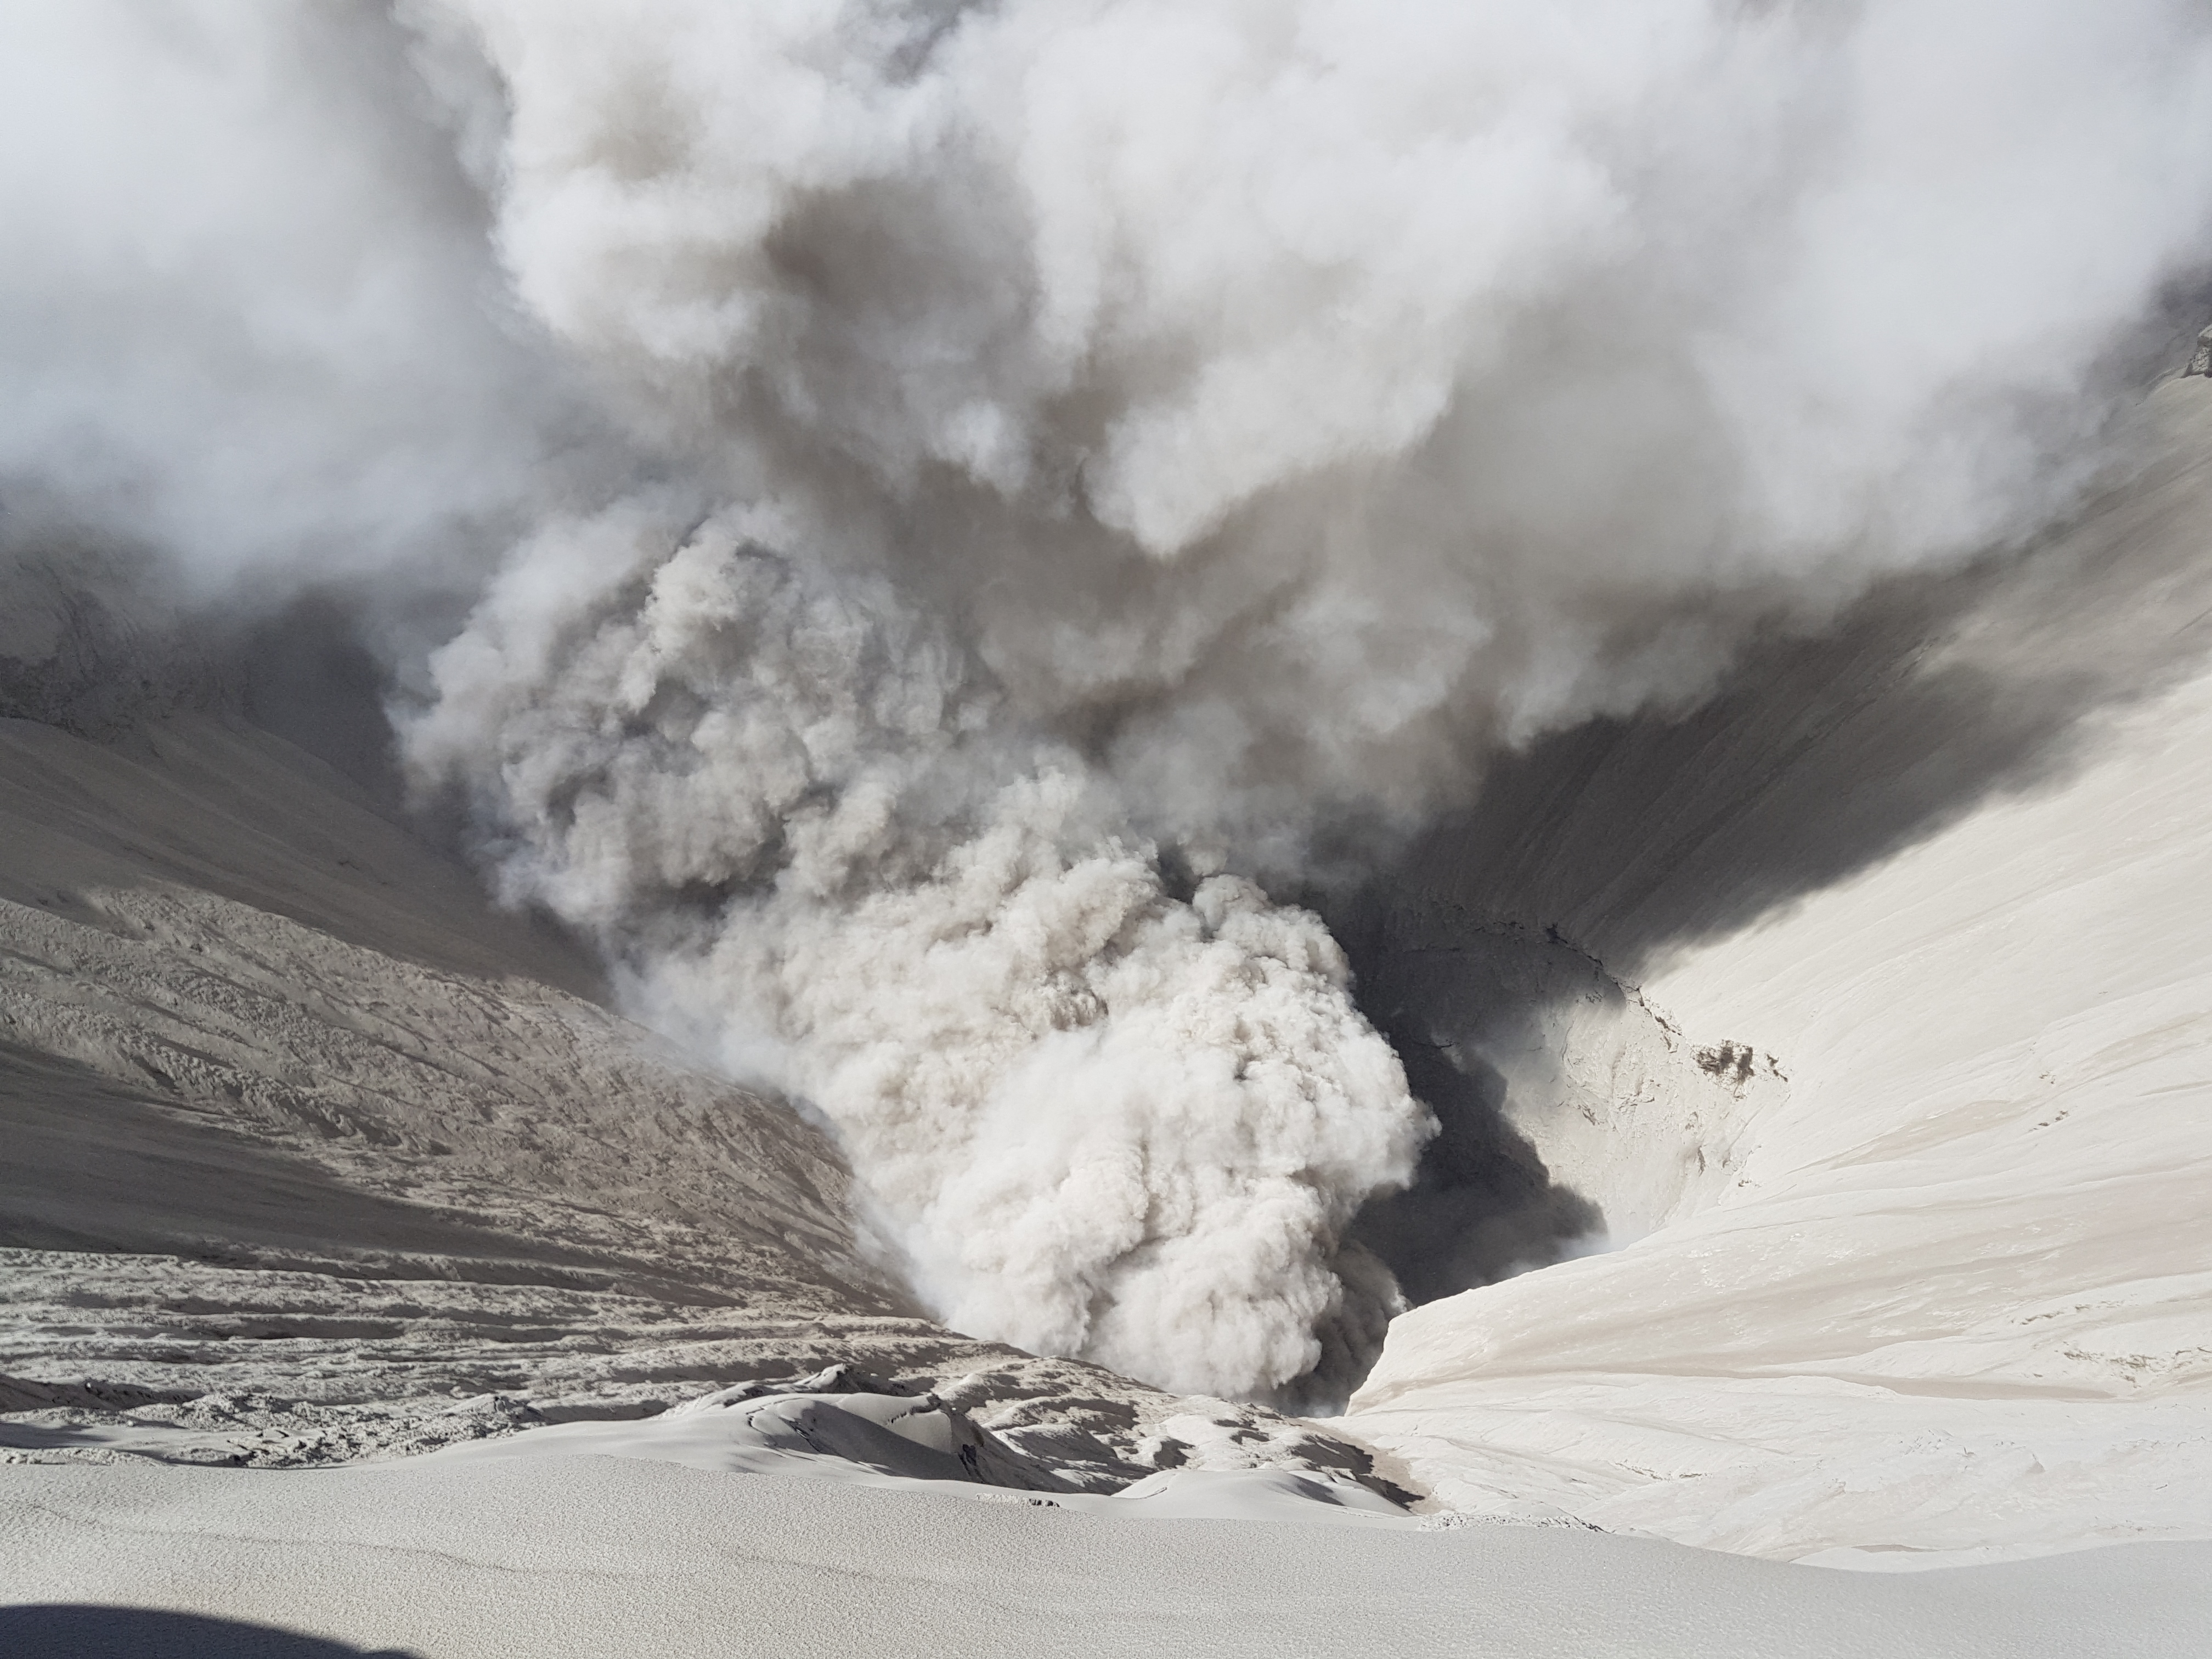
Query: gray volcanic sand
pixel 609 1556
pixel 312 1155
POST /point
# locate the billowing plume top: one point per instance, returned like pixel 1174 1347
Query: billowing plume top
pixel 1485 364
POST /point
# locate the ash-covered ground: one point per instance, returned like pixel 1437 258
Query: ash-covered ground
pixel 313 1155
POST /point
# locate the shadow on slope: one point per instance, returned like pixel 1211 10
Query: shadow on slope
pixel 1623 840
pixel 94 1165
pixel 98 1632
pixel 1820 758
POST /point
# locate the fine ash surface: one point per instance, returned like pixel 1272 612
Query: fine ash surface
pixel 443 1560
pixel 313 1157
pixel 1944 1297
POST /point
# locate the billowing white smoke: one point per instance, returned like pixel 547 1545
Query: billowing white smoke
pixel 244 309
pixel 1309 384
pixel 1081 457
pixel 1101 1120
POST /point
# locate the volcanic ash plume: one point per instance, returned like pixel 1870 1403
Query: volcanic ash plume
pixel 1124 439
pixel 987 493
pixel 1101 1119
pixel 1106 441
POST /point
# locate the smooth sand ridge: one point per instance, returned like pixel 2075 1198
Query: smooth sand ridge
pixel 605 1556
pixel 1956 1301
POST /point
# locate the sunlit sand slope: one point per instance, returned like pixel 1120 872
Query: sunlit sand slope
pixel 1957 1300
pixel 452 1560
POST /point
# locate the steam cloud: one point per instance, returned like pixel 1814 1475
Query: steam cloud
pixel 1007 485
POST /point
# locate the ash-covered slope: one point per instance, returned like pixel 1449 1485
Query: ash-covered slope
pixel 1952 1300
pixel 434 1557
pixel 310 1154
